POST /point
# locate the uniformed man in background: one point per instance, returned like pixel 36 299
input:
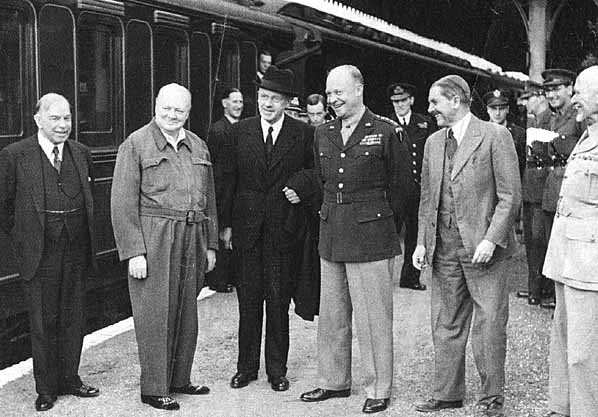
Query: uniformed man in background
pixel 558 87
pixel 357 157
pixel 417 128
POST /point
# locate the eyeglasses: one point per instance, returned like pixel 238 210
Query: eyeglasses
pixel 262 98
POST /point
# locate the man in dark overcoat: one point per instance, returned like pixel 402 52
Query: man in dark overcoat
pixel 266 152
pixel 46 206
pixel 417 127
pixel 163 210
pixel 221 279
pixel 471 195
pixel 357 159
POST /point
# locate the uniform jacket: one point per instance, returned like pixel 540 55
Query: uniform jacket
pixel 144 177
pixel 367 170
pixel 485 184
pixel 217 145
pixel 573 246
pixel 519 137
pixel 253 198
pixel 559 149
pixel 22 202
pixel 538 164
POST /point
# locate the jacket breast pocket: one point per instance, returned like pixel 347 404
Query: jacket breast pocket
pixel 155 174
pixel 580 231
pixel 325 163
pixel 202 169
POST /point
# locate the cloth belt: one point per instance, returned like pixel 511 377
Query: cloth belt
pixel 555 161
pixel 355 197
pixel 63 212
pixel 187 216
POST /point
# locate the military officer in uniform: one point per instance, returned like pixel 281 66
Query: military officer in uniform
pixel 356 157
pixel 417 128
pixel 558 87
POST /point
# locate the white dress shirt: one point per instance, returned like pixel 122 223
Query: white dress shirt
pixel 460 127
pixel 48 147
pixel 275 128
pixel 405 119
pixel 172 140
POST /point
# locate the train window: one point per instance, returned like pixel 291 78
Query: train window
pixel 138 86
pixel 171 51
pixel 200 84
pixel 225 63
pixel 13 27
pixel 248 74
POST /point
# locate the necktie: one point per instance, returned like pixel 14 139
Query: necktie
pixel 56 161
pixel 451 144
pixel 403 121
pixel 269 142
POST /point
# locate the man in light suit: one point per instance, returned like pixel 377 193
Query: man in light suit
pixel 571 263
pixel 471 195
pixel 46 206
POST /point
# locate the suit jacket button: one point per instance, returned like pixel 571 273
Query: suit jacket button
pixel 340 185
pixel 343 155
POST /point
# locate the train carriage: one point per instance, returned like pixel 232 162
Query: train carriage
pixel 109 58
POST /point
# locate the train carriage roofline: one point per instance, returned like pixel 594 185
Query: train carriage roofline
pixel 336 18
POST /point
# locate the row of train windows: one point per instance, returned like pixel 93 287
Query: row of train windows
pixel 159 54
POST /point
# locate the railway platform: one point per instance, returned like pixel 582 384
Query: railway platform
pixel 110 363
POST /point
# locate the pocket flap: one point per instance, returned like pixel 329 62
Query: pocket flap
pixel 581 231
pixel 372 213
pixel 152 162
pixel 196 160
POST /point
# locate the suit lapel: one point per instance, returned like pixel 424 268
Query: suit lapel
pixel 32 168
pixel 255 143
pixel 436 168
pixel 80 162
pixel 585 144
pixel 471 140
pixel 284 142
pixel 333 133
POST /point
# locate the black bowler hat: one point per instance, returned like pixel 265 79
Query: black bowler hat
pixel 400 91
pixel 557 76
pixel 277 80
pixel 496 98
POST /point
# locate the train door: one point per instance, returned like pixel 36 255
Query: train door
pixel 225 67
pixel 139 91
pixel 201 89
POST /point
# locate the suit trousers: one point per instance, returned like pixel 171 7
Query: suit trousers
pixel 573 381
pixel 534 233
pixel 410 274
pixel 264 276
pixel 366 288
pixel 548 221
pixel 461 290
pixel 223 274
pixel 55 297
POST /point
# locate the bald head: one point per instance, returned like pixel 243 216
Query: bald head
pixel 47 100
pixel 344 89
pixel 585 98
pixel 172 108
pixel 53 118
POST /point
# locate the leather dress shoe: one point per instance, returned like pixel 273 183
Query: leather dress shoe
pixel 44 402
pixel 372 405
pixel 279 383
pixel 491 408
pixel 436 405
pixel 83 390
pixel 416 287
pixel 523 294
pixel 162 403
pixel 320 394
pixel 191 389
pixel 242 379
pixel 549 304
pixel 226 289
pixel 533 301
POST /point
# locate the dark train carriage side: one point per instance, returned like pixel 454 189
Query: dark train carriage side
pixel 109 57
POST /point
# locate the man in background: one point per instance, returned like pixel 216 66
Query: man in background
pixel 263 63
pixel 316 109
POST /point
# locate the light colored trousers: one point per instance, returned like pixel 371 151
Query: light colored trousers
pixel 573 382
pixel 366 288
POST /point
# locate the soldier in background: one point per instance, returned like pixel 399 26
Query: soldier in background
pixel 558 87
pixel 418 127
pixel 316 109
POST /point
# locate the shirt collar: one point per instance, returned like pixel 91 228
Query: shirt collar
pixel 48 146
pixel 460 127
pixel 275 128
pixel 406 118
pixel 230 119
pixel 181 137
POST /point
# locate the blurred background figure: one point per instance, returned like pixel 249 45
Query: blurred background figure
pixel 264 61
pixel 294 109
pixel 316 109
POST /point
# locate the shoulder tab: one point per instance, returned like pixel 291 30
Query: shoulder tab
pixel 386 119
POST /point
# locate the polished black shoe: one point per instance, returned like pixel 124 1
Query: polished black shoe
pixel 83 390
pixel 162 403
pixel 549 304
pixel 372 405
pixel 191 389
pixel 279 383
pixel 533 301
pixel 416 287
pixel 523 294
pixel 320 394
pixel 242 379
pixel 432 405
pixel 491 408
pixel 44 402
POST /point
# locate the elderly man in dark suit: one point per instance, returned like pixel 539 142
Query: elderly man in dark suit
pixel 46 206
pixel 163 210
pixel 471 194
pixel 417 128
pixel 221 279
pixel 266 152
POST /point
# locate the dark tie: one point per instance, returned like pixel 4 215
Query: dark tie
pixel 269 142
pixel 451 144
pixel 56 161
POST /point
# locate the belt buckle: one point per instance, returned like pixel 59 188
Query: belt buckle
pixel 190 217
pixel 339 197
